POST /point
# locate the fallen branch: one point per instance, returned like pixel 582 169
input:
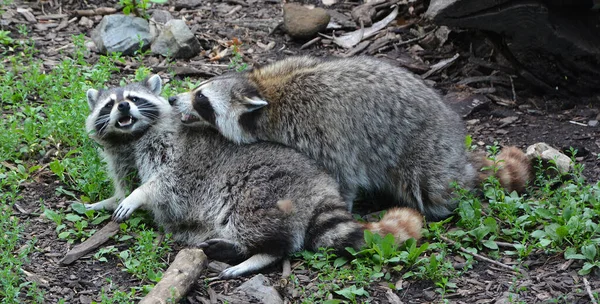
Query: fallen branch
pixel 99 238
pixel 588 288
pixel 179 277
pixel 101 11
pixel 479 256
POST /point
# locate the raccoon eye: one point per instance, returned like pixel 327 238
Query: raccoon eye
pixel 201 97
pixel 134 99
pixel 110 104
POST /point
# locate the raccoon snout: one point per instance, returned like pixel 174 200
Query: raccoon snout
pixel 172 100
pixel 123 107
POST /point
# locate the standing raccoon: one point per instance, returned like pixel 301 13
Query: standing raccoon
pixel 370 124
pixel 250 204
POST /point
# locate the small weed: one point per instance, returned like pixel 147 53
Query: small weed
pixel 144 259
pixel 237 60
pixel 139 7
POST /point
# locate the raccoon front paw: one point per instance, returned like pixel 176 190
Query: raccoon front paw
pixel 124 210
pixel 222 250
pixel 109 204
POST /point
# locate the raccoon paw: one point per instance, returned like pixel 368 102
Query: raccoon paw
pixel 124 211
pixel 222 250
pixel 109 204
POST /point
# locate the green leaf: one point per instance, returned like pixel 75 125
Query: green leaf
pixel 64 235
pixel 333 301
pixel 571 254
pixel 79 208
pixel 562 231
pixel 159 1
pixel 589 252
pixel 538 234
pixel 53 216
pixel 73 217
pixel 586 269
pixel 339 262
pixel 545 242
pixel 490 244
pixel 100 219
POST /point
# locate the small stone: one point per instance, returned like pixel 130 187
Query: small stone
pixel 546 152
pixel 508 120
pixel 158 20
pixel 258 287
pixel 86 22
pixel 304 23
pixel 120 33
pixel 593 123
pixel 176 41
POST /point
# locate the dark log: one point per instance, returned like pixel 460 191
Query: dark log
pixel 553 44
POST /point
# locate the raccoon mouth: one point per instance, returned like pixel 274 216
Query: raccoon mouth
pixel 126 121
pixel 188 118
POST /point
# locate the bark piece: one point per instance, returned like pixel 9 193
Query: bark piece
pixel 99 238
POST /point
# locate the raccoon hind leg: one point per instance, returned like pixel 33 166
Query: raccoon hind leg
pixel 251 265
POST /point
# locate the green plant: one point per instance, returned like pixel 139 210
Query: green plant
pixel 237 60
pixel 5 38
pixel 139 7
pixel 144 259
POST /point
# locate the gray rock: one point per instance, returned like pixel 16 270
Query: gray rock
pixel 258 287
pixel 546 152
pixel 176 41
pixel 304 23
pixel 120 33
pixel 593 123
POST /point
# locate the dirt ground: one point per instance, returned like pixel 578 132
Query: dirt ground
pixel 509 113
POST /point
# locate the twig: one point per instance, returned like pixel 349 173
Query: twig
pixel 504 244
pixel 512 86
pixel 588 288
pixel 311 42
pixel 479 256
pixel 578 123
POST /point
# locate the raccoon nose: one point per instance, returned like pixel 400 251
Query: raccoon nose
pixel 123 106
pixel 172 100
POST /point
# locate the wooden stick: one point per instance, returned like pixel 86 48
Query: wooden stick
pixel 588 288
pixel 179 277
pixel 479 256
pixel 99 238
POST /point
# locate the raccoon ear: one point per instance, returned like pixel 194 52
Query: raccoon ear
pixel 92 98
pixel 253 103
pixel 154 83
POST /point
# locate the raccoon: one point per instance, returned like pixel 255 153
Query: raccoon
pixel 372 125
pixel 246 205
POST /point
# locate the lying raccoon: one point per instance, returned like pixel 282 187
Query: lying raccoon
pixel 252 204
pixel 370 124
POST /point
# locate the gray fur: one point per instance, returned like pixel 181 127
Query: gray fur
pixel 372 125
pixel 214 194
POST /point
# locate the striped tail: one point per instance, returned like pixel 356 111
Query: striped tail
pixel 334 227
pixel 514 168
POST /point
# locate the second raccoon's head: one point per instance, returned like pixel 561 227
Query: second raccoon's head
pixel 229 102
pixel 122 113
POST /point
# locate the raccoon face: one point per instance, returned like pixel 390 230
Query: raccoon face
pixel 126 111
pixel 222 102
